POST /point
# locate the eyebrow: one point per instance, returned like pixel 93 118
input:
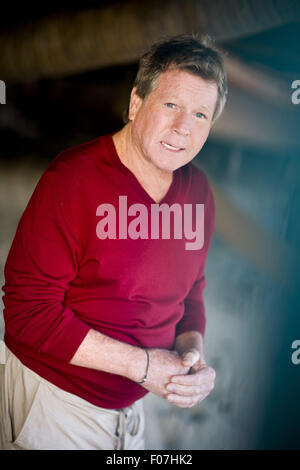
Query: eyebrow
pixel 204 107
pixel 200 107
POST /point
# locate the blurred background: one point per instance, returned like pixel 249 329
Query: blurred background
pixel 68 75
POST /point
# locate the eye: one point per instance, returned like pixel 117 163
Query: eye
pixel 170 105
pixel 200 116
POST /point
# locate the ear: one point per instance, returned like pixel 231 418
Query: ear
pixel 134 104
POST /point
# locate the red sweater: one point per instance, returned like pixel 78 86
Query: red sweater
pixel 61 278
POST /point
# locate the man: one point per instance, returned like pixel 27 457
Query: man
pixel 98 310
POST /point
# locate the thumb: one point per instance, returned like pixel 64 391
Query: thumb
pixel 190 357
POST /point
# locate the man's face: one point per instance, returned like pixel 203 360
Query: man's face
pixel 170 126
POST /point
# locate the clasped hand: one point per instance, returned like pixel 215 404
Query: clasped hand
pixel 183 380
pixel 187 390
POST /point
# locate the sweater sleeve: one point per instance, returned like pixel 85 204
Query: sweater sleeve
pixel 41 264
pixel 194 318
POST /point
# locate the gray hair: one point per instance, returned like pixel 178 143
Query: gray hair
pixel 184 52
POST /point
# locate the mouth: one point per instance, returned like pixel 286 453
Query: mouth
pixel 171 147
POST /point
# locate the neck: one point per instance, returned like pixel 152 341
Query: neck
pixel 154 180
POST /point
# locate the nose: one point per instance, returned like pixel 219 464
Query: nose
pixel 182 124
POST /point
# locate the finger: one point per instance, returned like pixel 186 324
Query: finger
pixel 190 357
pixel 186 402
pixel 201 364
pixel 205 374
pixel 186 390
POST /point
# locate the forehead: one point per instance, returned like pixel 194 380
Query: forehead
pixel 175 79
pixel 182 84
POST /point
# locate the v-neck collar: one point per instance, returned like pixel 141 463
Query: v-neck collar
pixel 169 197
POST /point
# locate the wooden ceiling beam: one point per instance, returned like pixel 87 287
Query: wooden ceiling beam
pixel 68 43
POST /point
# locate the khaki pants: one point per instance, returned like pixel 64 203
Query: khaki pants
pixel 37 415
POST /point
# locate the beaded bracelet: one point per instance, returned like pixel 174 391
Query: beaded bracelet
pixel 147 367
